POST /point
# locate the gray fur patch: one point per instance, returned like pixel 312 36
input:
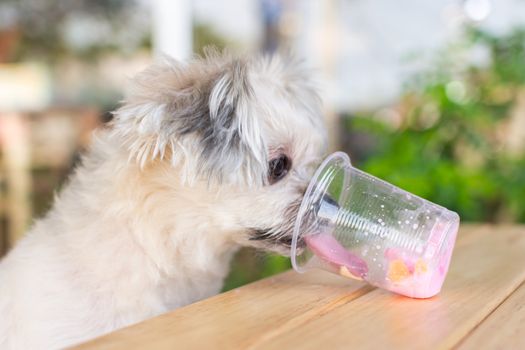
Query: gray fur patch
pixel 200 100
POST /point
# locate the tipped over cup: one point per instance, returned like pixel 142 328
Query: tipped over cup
pixel 358 226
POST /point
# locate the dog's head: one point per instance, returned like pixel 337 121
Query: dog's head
pixel 244 134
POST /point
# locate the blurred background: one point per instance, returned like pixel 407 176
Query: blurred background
pixel 426 94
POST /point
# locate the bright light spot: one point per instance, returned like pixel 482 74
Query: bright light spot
pixel 477 10
pixel 456 91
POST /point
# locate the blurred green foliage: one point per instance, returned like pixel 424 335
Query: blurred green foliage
pixel 204 36
pixel 454 137
pixel 250 265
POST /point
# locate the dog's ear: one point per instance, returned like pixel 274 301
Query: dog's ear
pixel 199 116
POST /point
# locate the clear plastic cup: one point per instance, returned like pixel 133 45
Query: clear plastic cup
pixel 358 226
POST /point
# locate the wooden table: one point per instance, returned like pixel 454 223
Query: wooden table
pixel 481 306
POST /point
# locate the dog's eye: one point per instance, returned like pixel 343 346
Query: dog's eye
pixel 278 168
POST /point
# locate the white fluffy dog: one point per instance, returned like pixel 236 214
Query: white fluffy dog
pixel 203 158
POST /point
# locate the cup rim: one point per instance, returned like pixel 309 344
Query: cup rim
pixel 309 199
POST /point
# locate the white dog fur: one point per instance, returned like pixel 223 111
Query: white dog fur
pixel 164 197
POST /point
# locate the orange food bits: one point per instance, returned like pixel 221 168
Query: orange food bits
pixel 421 267
pixel 398 270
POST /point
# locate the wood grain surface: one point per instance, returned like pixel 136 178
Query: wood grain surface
pixel 481 306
